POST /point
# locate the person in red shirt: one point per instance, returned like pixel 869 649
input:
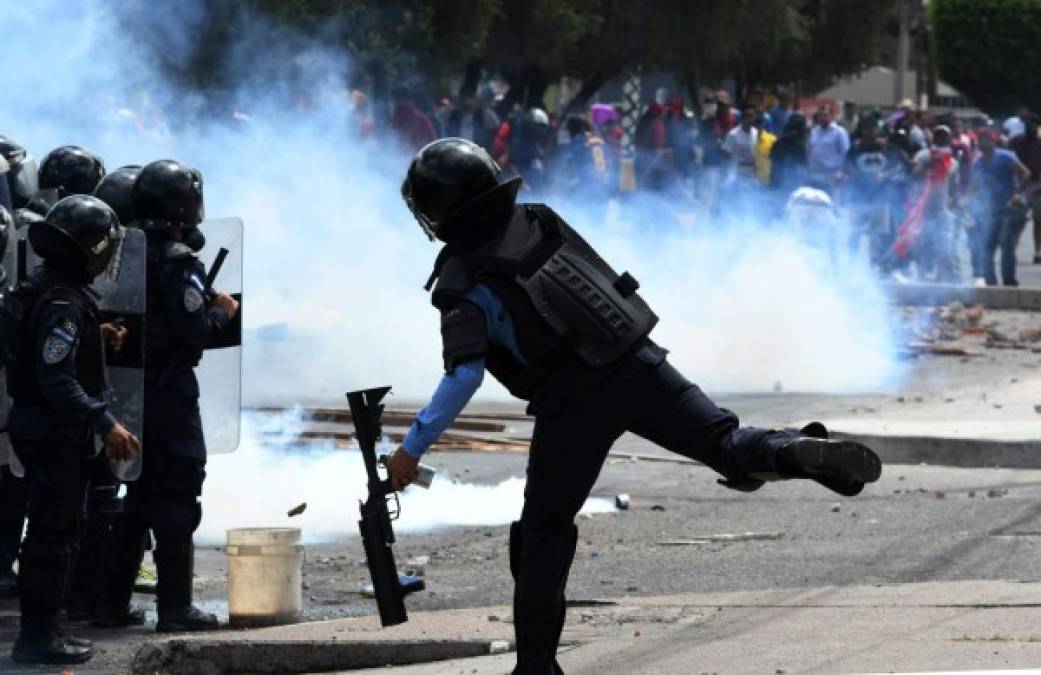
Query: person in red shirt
pixel 409 124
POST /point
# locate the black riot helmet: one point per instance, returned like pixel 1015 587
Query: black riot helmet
pixel 454 188
pixel 80 236
pixel 71 170
pixel 22 177
pixel 168 194
pixel 115 188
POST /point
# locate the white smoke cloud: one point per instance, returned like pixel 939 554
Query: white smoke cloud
pixel 334 263
pixel 270 474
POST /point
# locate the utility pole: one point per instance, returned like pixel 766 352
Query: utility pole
pixel 903 53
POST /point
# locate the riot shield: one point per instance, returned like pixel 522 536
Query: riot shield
pixel 220 372
pixel 123 298
pixel 123 302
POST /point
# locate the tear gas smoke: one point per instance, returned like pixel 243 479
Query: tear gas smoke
pixel 270 473
pixel 334 264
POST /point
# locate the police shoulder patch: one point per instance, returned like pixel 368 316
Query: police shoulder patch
pixel 193 300
pixel 59 342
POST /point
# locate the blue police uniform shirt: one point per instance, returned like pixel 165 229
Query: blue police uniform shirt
pixel 458 387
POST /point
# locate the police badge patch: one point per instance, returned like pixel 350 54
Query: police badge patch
pixel 59 343
pixel 193 300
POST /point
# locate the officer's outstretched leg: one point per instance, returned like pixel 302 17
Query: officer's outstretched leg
pixel 57 479
pixel 567 452
pixel 675 414
pixel 13 498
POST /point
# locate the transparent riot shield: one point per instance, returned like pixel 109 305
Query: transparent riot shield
pixel 14 263
pixel 123 303
pixel 220 372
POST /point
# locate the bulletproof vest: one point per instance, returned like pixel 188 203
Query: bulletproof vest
pixel 164 354
pixel 41 287
pixel 569 308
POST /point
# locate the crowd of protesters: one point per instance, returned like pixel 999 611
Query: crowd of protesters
pixel 917 193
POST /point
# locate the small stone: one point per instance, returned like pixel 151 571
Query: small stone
pixel 657 507
pixel 972 494
pixel 835 508
pixel 940 494
pixel 636 634
pixel 994 494
pixel 487 534
pixel 631 589
pixel 494 619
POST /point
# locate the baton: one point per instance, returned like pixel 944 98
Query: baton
pixel 211 276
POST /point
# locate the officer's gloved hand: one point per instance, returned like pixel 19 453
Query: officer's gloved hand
pixel 120 444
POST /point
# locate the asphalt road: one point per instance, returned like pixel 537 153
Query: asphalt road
pixel 916 524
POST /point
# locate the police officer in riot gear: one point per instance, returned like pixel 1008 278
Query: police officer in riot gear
pixel 115 190
pixel 66 170
pixel 12 488
pixel 524 297
pixel 22 173
pixel 57 383
pixel 104 504
pixel 184 317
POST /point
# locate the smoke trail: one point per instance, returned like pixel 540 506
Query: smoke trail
pixel 334 262
pixel 271 474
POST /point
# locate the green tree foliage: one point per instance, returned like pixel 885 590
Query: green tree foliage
pixel 990 50
pixel 532 43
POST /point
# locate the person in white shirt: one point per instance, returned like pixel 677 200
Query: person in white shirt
pixel 740 144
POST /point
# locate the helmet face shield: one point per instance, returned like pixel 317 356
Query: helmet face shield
pixel 428 226
pixel 23 181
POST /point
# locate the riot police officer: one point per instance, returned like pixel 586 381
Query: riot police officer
pixel 57 385
pixel 522 295
pixel 22 174
pixel 184 317
pixel 104 504
pixel 66 170
pixel 12 488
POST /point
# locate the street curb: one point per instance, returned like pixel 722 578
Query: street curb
pixel 195 657
pixel 991 297
pixel 958 452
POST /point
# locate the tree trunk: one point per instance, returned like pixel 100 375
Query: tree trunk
pixel 471 78
pixel 590 86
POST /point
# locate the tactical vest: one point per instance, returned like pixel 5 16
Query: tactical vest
pixel 163 353
pixel 570 310
pixel 23 385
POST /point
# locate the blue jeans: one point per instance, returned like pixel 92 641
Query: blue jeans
pixel 1003 228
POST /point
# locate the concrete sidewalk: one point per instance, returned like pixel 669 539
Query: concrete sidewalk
pixel 943 626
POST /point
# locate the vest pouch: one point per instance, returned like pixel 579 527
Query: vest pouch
pixel 587 304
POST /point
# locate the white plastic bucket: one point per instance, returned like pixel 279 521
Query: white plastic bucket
pixel 264 575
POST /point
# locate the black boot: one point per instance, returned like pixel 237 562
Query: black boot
pixel 49 649
pixel 43 570
pixel 175 558
pixel 185 620
pixel 841 466
pixel 105 617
